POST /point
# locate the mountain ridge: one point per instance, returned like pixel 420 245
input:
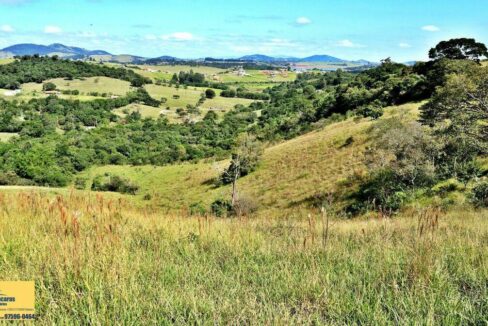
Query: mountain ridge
pixel 74 52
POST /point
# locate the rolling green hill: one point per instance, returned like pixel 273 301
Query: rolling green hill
pixel 291 175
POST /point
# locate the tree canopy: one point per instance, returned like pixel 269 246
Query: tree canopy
pixel 460 49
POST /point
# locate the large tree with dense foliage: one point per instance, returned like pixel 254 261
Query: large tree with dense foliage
pixel 459 49
pixel 458 115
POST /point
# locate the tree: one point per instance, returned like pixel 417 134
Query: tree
pixel 47 87
pixel 457 114
pixel 403 147
pixel 460 48
pixel 245 159
pixel 210 93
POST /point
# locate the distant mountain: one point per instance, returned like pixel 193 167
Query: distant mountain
pixel 269 59
pixel 410 63
pixel 167 58
pixel 72 52
pixel 53 49
pixel 119 58
pixel 260 58
pixel 321 58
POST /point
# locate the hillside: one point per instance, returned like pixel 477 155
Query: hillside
pixel 292 176
pixel 52 49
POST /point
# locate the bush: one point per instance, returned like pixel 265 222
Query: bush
pixel 221 207
pixel 80 183
pixel 114 183
pixel 381 190
pixel 245 206
pixel 479 194
pixel 147 197
pixel 210 93
pixel 46 87
pixel 197 209
pixel 447 186
pixel 373 112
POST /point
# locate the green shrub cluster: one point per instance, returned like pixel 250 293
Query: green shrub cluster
pixel 114 183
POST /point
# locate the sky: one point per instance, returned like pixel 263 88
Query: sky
pixel 348 29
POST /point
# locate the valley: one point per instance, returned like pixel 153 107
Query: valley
pixel 256 190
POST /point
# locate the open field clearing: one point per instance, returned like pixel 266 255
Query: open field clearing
pixel 326 65
pixel 94 84
pixel 224 103
pixel 166 71
pixel 257 76
pixel 215 74
pixel 5 61
pixel 176 98
pixel 291 176
pixel 145 110
pixel 5 136
pixel 115 264
pixel 181 97
pixel 89 85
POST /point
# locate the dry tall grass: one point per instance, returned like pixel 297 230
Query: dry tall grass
pixel 100 261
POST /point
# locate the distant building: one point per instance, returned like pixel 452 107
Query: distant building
pixel 241 72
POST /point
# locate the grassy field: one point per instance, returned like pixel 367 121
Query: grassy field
pixel 257 76
pixel 117 265
pixel 145 110
pixel 190 95
pixel 86 86
pixel 5 61
pixel 5 136
pixel 94 84
pixel 227 76
pixel 290 177
pixel 166 71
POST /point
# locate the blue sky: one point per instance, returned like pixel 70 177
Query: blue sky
pixel 349 29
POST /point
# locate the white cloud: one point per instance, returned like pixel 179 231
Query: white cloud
pixel 51 29
pixel 86 34
pixel 404 45
pixel 430 28
pixel 178 36
pixel 7 28
pixel 150 37
pixel 348 44
pixel 303 21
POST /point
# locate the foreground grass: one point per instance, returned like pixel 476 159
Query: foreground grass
pixel 97 261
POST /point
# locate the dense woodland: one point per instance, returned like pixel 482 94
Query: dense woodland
pixel 36 69
pixel 424 154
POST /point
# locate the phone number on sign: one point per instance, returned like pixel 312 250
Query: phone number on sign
pixel 19 316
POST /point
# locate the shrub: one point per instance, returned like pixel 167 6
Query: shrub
pixel 210 93
pixel 221 207
pixel 80 183
pixel 382 190
pixel 197 209
pixel 46 87
pixel 447 186
pixel 373 112
pixel 479 194
pixel 147 197
pixel 245 206
pixel 114 183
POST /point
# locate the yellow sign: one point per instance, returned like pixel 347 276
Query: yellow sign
pixel 17 299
